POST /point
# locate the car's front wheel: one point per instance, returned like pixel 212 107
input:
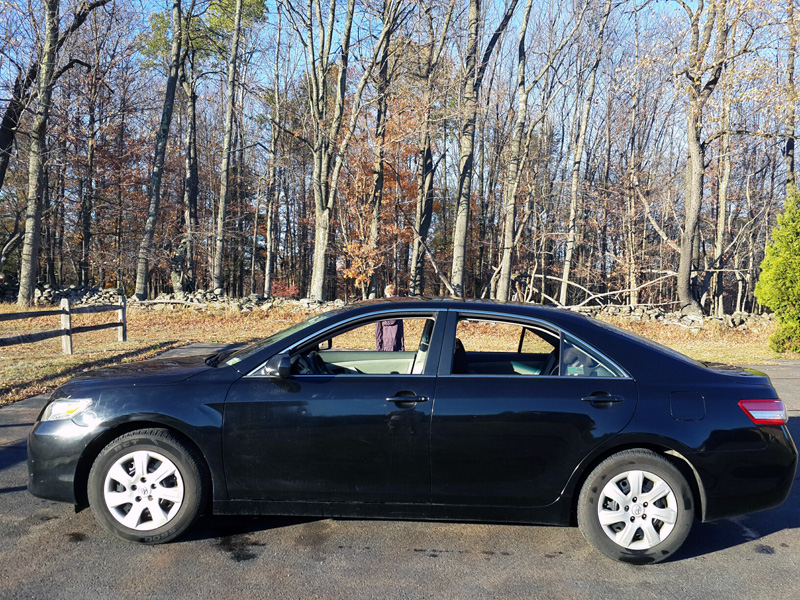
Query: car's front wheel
pixel 636 507
pixel 147 486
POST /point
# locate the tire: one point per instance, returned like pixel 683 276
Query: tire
pixel 651 499
pixel 147 486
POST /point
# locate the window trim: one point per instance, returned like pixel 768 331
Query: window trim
pixel 435 314
pixel 458 314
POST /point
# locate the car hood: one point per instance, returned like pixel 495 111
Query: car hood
pixel 156 371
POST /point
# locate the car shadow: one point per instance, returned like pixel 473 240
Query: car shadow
pixel 13 455
pixel 706 538
pixel 213 527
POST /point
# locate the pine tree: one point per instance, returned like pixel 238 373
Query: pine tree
pixel 778 286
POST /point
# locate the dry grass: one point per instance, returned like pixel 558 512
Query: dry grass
pixel 714 342
pixel 29 369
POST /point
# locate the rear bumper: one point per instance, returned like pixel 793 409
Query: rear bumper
pixel 747 481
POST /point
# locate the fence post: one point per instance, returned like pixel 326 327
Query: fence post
pixel 66 327
pixel 122 319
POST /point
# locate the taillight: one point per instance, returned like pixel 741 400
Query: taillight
pixel 765 412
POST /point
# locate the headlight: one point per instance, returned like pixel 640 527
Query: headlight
pixel 67 408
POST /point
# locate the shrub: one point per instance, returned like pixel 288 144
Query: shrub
pixel 778 286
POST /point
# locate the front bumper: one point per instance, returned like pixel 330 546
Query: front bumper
pixel 54 452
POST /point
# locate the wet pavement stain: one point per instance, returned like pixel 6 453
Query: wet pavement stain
pixel 240 547
pixel 436 552
pixel 314 535
pixel 76 536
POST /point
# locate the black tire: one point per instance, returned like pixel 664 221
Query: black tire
pixel 147 486
pixel 627 486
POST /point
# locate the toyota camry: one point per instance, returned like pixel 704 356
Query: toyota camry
pixel 486 412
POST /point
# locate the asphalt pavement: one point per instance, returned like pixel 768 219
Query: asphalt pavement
pixel 49 551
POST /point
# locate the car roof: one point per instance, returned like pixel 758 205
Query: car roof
pixel 551 312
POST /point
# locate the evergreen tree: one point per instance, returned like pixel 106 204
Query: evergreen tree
pixel 778 286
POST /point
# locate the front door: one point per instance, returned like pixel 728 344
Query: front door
pixel 350 423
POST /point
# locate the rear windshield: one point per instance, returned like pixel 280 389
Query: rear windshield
pixel 648 342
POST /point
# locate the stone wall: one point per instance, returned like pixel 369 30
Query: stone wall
pixel 202 299
pixel 738 320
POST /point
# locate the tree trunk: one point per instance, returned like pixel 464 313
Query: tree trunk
pixel 328 147
pixel 273 190
pixel 425 165
pixel 87 197
pixel 12 115
pixel 577 156
pixel 157 169
pixel 722 206
pixel 190 192
pixel 689 303
pixel 33 212
pixel 219 244
pixel 466 146
pixel 790 118
pixel 183 268
pixel 471 85
pixel 514 164
pixel 21 89
pixel 704 75
pixel 381 111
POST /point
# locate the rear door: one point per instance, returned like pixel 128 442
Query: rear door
pixel 510 430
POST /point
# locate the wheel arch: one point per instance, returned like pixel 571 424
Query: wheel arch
pixel 93 449
pixel 674 456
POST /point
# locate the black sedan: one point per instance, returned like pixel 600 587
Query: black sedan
pixel 487 412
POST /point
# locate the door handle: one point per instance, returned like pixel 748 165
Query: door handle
pixel 407 401
pixel 602 399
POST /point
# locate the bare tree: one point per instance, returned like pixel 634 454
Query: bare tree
pixel 33 212
pixel 21 89
pixel 474 71
pixel 520 143
pixel 183 267
pixel 157 168
pixel 430 60
pixel 329 143
pixel 792 95
pixel 709 51
pixel 381 117
pixel 219 244
pixel 578 151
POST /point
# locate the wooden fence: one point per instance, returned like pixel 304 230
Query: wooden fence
pixel 67 330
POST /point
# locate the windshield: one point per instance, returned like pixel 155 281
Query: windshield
pixel 248 351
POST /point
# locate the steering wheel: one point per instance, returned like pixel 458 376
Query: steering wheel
pixel 318 366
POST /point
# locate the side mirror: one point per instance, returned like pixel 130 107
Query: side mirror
pixel 278 366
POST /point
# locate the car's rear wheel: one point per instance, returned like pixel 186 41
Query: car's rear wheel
pixel 636 507
pixel 147 486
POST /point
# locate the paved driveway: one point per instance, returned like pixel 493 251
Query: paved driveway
pixel 49 551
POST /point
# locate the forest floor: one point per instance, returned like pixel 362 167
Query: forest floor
pixel 29 369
